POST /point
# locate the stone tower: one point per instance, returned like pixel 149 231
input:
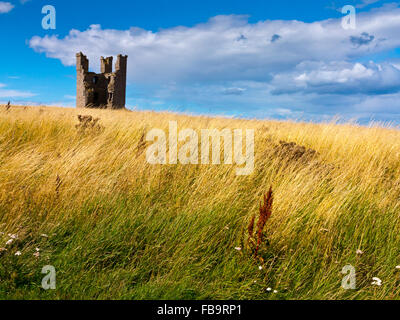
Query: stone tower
pixel 101 90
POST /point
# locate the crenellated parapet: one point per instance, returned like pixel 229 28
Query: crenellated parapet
pixel 101 90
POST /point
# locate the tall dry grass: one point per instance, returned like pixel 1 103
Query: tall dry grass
pixel 118 227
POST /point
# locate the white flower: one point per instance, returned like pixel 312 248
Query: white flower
pixel 359 252
pixel 37 254
pixel 13 236
pixel 269 289
pixel 275 291
pixel 37 249
pixel 18 253
pixel 9 241
pixel 44 235
pixel 376 281
pixel 260 268
pixel 3 249
pixel 238 248
pixel 398 267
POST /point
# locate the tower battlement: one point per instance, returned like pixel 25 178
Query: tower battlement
pixel 101 90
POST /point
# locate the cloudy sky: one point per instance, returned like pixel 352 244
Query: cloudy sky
pixel 284 59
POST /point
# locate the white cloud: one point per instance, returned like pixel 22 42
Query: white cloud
pixel 335 75
pixel 340 78
pixel 365 3
pixel 5 7
pixel 31 103
pixel 272 67
pixel 212 51
pixel 234 91
pixel 10 94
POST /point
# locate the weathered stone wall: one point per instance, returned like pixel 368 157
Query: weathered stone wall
pixel 101 90
pixel 120 81
pixel 82 67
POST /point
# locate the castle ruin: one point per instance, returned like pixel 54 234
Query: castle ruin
pixel 104 90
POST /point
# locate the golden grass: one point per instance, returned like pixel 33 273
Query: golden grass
pixel 349 188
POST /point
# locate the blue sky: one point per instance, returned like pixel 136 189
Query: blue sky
pixel 286 59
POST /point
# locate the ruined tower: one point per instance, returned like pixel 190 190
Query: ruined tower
pixel 101 90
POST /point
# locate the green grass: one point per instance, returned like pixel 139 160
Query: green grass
pixel 127 248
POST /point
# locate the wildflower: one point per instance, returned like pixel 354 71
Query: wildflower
pixel 18 253
pixel 397 267
pixel 37 249
pixel 275 291
pixel 376 281
pixel 238 248
pixel 9 241
pixel 260 268
pixel 359 252
pixel 44 235
pixel 37 254
pixel 3 249
pixel 269 289
pixel 13 236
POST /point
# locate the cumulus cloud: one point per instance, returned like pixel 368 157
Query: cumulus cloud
pixel 211 51
pixel 5 7
pixel 363 39
pixel 339 78
pixel 275 37
pixel 286 65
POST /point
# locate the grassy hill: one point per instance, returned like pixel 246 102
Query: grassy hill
pixel 115 227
